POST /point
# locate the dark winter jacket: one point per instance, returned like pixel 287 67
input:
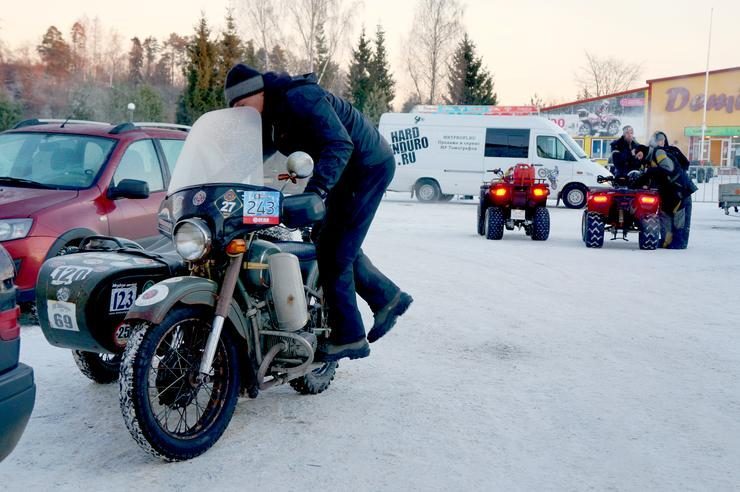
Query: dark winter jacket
pixel 303 116
pixel 674 184
pixel 622 157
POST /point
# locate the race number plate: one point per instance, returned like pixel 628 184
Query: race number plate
pixel 122 297
pixel 262 207
pixel 62 315
pixel 518 214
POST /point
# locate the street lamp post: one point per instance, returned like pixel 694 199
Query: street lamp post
pixel 131 108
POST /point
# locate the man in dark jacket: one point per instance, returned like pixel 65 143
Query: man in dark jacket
pixel 626 153
pixel 354 166
pixel 675 188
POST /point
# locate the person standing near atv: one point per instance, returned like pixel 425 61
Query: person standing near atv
pixel 354 166
pixel 675 188
pixel 626 153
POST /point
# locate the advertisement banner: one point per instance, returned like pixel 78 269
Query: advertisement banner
pixel 603 117
pixel 477 110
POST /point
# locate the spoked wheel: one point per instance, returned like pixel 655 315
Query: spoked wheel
pixel 168 409
pixel 101 368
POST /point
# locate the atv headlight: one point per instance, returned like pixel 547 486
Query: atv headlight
pixel 14 228
pixel 192 239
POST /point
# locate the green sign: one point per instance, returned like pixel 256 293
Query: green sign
pixel 712 131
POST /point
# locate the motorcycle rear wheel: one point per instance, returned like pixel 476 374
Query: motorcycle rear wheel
pixel 101 368
pixel 168 412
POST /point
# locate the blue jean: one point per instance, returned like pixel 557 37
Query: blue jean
pixel 344 269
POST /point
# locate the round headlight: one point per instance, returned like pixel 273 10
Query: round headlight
pixel 192 239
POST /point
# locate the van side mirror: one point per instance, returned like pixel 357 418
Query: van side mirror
pixel 129 188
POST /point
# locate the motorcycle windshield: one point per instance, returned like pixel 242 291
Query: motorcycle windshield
pixel 224 146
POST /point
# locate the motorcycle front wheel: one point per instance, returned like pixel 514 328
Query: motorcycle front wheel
pixel 168 410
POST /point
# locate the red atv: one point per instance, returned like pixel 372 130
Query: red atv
pixel 621 209
pixel 516 199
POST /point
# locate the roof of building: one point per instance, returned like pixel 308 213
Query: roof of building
pixel 591 99
pixel 696 74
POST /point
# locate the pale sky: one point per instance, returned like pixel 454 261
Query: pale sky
pixel 530 46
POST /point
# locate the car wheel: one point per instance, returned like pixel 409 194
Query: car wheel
pixel 574 196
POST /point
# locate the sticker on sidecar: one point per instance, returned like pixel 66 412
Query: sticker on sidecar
pixel 261 207
pixel 152 296
pixel 228 204
pixel 122 297
pixel 66 275
pixel 62 315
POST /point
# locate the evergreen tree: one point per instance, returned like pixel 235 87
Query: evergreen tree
pixel 278 59
pixel 149 106
pixel 151 49
pixel 250 56
pixel 359 83
pixel 201 94
pixel 326 70
pixel 376 104
pixel 55 53
pixel 10 112
pixel 380 75
pixel 469 82
pixel 135 62
pixel 231 50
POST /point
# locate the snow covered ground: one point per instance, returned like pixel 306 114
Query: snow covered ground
pixel 520 366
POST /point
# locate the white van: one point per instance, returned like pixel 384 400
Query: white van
pixel 440 155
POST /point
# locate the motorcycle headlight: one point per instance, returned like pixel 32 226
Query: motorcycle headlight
pixel 192 239
pixel 14 228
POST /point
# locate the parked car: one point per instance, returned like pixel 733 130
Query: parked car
pixel 17 388
pixel 61 181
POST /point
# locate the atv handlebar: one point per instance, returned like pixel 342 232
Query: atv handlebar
pixel 604 179
pixel 495 171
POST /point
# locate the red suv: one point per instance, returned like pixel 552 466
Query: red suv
pixel 61 181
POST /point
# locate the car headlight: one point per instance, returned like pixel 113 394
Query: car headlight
pixel 14 228
pixel 192 239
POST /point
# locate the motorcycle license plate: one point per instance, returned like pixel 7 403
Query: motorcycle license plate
pixel 262 207
pixel 518 214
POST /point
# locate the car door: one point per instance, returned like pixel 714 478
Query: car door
pixel 554 162
pixel 137 219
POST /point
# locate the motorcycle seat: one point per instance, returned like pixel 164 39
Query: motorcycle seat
pixel 304 251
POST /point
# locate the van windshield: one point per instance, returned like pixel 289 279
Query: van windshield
pixel 573 146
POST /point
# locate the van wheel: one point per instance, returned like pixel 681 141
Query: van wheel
pixel 574 196
pixel 427 190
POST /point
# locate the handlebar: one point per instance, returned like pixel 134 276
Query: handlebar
pixel 604 179
pixel 495 171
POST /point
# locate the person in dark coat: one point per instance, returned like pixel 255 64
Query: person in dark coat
pixel 354 166
pixel 626 153
pixel 675 188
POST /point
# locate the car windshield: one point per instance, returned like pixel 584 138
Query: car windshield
pixel 52 160
pixel 224 146
pixel 574 147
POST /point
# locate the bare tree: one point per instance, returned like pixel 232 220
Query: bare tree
pixel 437 27
pixel 262 21
pixel 310 16
pixel 601 76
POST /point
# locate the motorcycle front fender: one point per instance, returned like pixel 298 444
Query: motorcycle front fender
pixel 154 304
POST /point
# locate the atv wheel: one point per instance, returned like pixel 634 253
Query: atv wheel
pixel 541 224
pixel 593 230
pixel 101 368
pixel 481 224
pixel 494 221
pixel 649 232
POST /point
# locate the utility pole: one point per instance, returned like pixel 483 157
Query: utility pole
pixel 706 90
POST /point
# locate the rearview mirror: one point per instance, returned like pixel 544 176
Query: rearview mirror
pixel 300 164
pixel 129 188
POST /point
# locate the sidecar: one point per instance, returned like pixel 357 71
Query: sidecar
pixel 83 298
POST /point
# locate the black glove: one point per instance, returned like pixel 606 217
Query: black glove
pixel 315 188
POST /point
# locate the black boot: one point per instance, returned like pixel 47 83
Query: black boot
pixel 386 317
pixel 330 352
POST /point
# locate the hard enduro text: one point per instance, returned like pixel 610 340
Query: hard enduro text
pixel 406 142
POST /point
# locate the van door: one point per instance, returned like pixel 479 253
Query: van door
pixel 554 162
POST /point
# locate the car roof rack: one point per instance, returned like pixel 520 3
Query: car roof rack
pixel 127 127
pixel 48 121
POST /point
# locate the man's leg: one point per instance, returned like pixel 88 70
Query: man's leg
pixel 350 211
pixel 683 226
pixel 374 287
